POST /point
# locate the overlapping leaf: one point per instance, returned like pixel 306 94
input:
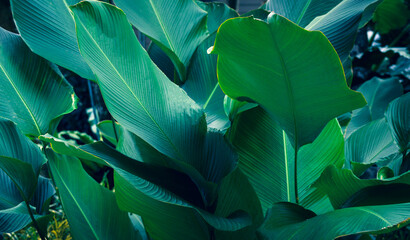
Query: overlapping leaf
pixel 178 27
pixel 272 64
pixel 398 117
pixel 33 93
pixel 136 92
pixel 48 29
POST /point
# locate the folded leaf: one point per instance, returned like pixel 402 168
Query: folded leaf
pixel 274 69
pixel 34 93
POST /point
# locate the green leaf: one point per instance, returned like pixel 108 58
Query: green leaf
pixel 106 128
pixel 270 64
pixel 390 15
pixel 34 93
pixel 136 92
pixel 91 209
pixel 165 22
pixel 202 83
pixel 378 94
pixel 398 117
pixel 20 163
pixel 348 184
pixel 302 224
pixel 267 158
pixel 340 25
pixel 301 12
pixel 369 145
pixel 53 36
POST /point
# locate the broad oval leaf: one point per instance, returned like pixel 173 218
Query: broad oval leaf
pixel 178 27
pixel 390 15
pixel 294 74
pixel 369 145
pixel 398 117
pixel 136 92
pixel 53 36
pixel 33 93
pixel 90 208
pixel 378 94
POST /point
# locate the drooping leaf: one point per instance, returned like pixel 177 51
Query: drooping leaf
pixel 378 94
pixel 34 93
pixel 369 145
pixel 177 27
pixel 267 158
pixel 340 184
pixel 53 36
pixel 278 56
pixel 136 92
pixel 390 15
pixel 202 83
pixel 337 223
pixel 91 209
pixel 398 117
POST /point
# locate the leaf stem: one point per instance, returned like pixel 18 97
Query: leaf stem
pixel 296 175
pixel 35 224
pixel 394 42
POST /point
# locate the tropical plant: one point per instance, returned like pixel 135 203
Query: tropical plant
pixel 227 127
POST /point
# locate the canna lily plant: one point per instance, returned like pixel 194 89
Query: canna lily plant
pixel 226 127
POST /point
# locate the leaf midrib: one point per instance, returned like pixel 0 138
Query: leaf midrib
pixel 162 26
pixel 305 8
pixel 22 99
pixel 129 88
pixel 375 214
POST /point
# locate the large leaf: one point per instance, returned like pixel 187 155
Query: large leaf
pixel 340 26
pixel 270 63
pixel 378 94
pixel 33 93
pixel 202 83
pixel 91 209
pixel 398 117
pixel 303 224
pixel 48 29
pixel 136 92
pixel 340 184
pixel 267 158
pixel 390 15
pixel 301 12
pixel 178 27
pixel 369 145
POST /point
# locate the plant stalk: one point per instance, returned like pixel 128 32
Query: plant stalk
pixel 35 224
pixel 371 40
pixel 399 36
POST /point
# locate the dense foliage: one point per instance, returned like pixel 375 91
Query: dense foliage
pixel 226 127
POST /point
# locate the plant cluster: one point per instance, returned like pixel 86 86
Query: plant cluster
pixel 226 127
